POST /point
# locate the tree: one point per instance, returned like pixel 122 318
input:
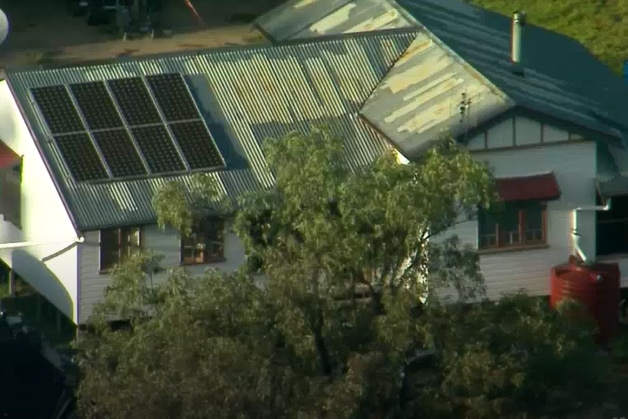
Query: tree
pixel 347 321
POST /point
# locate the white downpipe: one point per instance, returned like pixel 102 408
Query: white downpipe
pixel 16 245
pixel 576 234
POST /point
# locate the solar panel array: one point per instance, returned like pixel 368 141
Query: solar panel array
pixel 127 128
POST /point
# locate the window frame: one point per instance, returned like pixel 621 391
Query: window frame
pixel 200 241
pixel 521 208
pixel 125 246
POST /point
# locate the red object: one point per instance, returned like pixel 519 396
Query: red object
pixel 596 287
pixel 540 187
pixel 7 156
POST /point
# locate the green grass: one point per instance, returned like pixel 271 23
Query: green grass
pixel 601 25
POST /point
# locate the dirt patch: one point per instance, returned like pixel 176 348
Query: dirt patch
pixel 44 32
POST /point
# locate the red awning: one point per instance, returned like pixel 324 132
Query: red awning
pixel 536 187
pixel 8 157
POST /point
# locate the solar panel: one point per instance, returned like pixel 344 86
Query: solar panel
pixel 119 152
pixel 173 97
pixel 197 145
pixel 96 105
pixel 135 101
pixel 57 109
pixel 81 157
pixel 158 149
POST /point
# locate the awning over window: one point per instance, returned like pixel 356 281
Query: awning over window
pixel 543 187
pixel 8 158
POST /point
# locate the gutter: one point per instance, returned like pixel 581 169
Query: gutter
pixel 16 245
pixel 576 235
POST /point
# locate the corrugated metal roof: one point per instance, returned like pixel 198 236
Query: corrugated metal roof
pixel 299 19
pixel 610 180
pixel 424 92
pixel 562 79
pixel 290 17
pixel 246 94
pixel 606 165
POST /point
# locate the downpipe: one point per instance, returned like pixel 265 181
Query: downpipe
pixel 576 234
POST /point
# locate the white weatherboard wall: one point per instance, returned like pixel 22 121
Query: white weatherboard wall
pixel 164 242
pixel 515 149
pixel 44 218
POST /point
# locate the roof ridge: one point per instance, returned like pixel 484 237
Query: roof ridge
pixel 216 50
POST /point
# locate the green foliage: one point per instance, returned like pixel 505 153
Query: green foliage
pixel 515 357
pixel 601 25
pixel 348 310
pixel 180 205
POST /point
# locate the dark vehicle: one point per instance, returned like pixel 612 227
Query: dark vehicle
pixel 36 381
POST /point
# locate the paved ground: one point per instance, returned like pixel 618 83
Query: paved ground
pixel 42 31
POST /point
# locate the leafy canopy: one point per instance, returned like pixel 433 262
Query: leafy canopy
pixel 341 317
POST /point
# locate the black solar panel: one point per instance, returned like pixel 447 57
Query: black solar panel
pixel 134 101
pixel 81 157
pixel 197 145
pixel 173 97
pixel 158 149
pixel 57 109
pixel 119 153
pixel 96 105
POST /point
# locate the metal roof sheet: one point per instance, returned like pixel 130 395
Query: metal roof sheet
pixel 246 94
pixel 299 19
pixel 424 92
pixel 562 79
pixel 290 17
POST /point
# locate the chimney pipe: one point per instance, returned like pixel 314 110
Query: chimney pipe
pixel 518 22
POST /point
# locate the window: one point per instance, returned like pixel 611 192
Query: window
pixel 612 227
pixel 116 244
pixel 513 224
pixel 206 244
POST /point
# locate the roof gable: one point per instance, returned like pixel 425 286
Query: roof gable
pixel 429 91
pixel 245 95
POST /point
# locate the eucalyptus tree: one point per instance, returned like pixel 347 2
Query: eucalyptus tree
pixel 337 312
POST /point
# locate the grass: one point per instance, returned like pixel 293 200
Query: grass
pixel 601 25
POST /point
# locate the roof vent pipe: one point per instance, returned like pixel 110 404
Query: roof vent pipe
pixel 518 22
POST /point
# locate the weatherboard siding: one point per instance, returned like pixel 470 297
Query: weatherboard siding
pixel 574 165
pixel 164 242
pixel 519 132
pixel 50 269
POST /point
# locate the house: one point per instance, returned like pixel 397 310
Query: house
pixel 92 144
pixel 545 114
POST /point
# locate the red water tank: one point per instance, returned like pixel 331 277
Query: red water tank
pixel 596 287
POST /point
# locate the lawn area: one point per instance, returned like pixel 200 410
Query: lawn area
pixel 601 25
